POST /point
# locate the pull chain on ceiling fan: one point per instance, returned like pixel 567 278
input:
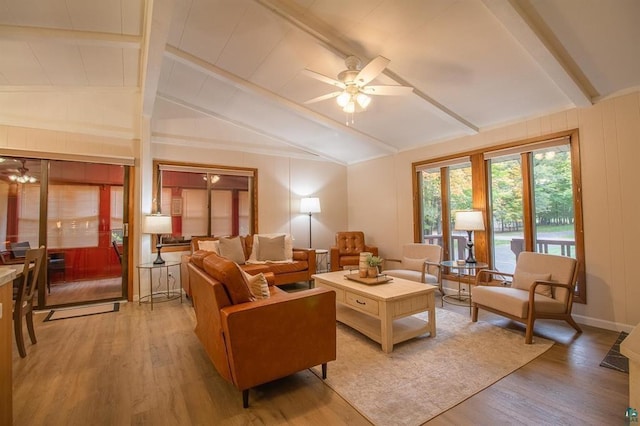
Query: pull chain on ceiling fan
pixel 354 95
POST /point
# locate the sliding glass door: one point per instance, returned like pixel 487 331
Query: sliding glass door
pixel 78 210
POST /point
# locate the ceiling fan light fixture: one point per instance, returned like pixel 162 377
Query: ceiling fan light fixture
pixel 363 100
pixel 350 108
pixel 23 179
pixel 343 99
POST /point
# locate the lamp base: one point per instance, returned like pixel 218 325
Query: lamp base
pixel 470 257
pixel 159 260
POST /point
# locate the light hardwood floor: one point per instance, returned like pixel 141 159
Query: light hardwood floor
pixel 148 368
pixel 74 292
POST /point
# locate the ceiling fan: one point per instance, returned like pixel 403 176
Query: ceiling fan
pixel 16 170
pixel 354 93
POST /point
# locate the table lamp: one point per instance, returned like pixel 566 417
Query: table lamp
pixel 310 205
pixel 157 224
pixel 469 221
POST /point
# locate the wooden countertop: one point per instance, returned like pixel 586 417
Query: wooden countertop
pixel 6 275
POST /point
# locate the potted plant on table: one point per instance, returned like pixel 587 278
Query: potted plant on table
pixel 374 263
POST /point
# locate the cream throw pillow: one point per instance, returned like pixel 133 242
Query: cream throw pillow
pixel 412 263
pixel 271 248
pixel 288 248
pixel 231 248
pixel 257 284
pixel 524 281
pixel 213 246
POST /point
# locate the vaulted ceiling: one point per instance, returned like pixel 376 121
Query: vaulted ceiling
pixel 231 74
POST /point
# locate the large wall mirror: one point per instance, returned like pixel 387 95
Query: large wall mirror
pixel 204 200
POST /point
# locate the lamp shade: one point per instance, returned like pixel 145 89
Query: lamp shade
pixel 156 224
pixel 469 221
pixel 310 205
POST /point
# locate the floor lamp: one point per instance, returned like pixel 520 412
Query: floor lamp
pixel 469 221
pixel 310 205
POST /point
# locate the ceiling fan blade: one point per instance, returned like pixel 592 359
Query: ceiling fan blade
pixel 323 78
pixel 371 70
pixel 323 97
pixel 387 90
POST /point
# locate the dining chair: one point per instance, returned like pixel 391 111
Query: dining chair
pixel 114 243
pixel 23 305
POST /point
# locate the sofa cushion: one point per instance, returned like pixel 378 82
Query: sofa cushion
pixel 289 267
pixel 230 275
pixel 231 248
pixel 271 248
pixel 513 301
pixel 257 285
pixel 524 280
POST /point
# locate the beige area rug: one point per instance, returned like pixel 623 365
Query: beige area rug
pixel 425 376
pixel 81 311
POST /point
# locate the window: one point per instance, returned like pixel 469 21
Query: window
pixel 446 188
pixel 530 192
pixel 205 200
pixel 73 216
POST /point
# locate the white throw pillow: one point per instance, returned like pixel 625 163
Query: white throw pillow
pixel 257 284
pixel 208 245
pixel 288 248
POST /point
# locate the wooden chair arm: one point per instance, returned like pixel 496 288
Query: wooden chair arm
pixel 482 272
pixel 532 289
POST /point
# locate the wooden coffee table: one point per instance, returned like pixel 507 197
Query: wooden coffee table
pixel 382 312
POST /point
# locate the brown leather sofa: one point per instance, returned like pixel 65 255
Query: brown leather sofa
pixel 346 252
pixel 300 270
pixel 252 342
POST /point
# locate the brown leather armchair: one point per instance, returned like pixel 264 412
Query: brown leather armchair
pixel 252 342
pixel 346 252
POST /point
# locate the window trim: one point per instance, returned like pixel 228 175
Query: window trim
pixel 480 200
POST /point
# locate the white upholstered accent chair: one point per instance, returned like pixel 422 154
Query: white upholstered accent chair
pixel 542 287
pixel 420 262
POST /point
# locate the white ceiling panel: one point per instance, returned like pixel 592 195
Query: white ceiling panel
pixel 99 16
pixel 35 13
pixel 103 66
pixel 63 64
pixel 184 82
pixel 597 36
pixel 19 65
pixel 208 27
pixel 255 36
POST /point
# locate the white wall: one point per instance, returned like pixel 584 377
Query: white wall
pixel 380 199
